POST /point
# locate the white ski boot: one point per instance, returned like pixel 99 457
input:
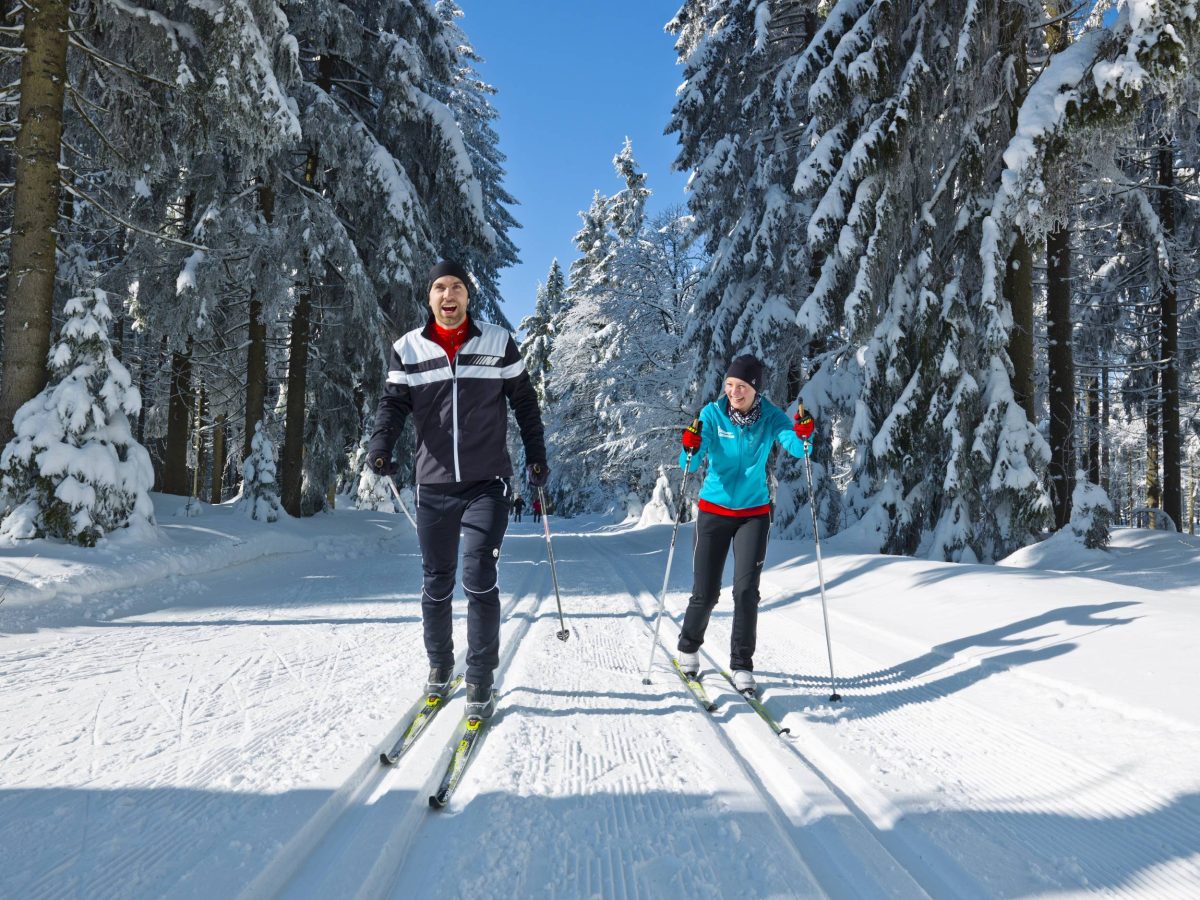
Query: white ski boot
pixel 744 681
pixel 689 663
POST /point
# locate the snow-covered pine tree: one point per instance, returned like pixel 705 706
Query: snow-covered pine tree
pixel 396 177
pixel 538 328
pixel 615 383
pixel 946 461
pixel 739 140
pixel 743 131
pixel 1091 513
pixel 1089 88
pixel 627 208
pixel 73 470
pixel 181 150
pixel 259 498
pixel 573 356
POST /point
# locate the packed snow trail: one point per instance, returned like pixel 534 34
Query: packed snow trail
pixel 218 734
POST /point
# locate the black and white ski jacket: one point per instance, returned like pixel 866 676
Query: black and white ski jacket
pixel 459 410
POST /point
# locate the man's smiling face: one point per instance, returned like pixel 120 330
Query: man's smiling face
pixel 448 299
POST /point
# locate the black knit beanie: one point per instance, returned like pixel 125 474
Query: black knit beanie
pixel 748 369
pixel 446 267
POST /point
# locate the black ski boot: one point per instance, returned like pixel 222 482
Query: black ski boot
pixel 481 701
pixel 438 682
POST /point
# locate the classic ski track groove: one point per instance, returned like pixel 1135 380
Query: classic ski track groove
pixel 821 855
pixel 1043 769
pixel 341 818
pixel 621 779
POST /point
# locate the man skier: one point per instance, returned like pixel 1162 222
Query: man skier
pixel 518 508
pixel 455 377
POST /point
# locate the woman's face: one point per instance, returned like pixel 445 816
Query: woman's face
pixel 741 395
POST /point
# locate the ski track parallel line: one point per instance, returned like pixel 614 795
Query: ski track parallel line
pixel 367 780
pixel 381 880
pixel 829 881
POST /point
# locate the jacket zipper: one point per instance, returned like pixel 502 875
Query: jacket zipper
pixel 454 405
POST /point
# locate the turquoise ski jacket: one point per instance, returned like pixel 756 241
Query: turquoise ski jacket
pixel 737 455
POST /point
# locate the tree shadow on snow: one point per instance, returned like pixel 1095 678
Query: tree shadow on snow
pixel 597 828
pixel 900 680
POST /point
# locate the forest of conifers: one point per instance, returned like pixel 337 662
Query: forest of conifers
pixel 965 234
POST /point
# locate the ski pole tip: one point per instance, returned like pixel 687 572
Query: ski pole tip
pixel 564 634
pixel 835 697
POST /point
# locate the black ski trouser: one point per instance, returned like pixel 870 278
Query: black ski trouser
pixel 478 511
pixel 714 534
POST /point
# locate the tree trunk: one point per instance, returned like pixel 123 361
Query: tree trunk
pixel 1105 444
pixel 1018 286
pixel 256 372
pixel 291 461
pixel 1093 417
pixel 1172 438
pixel 218 463
pixel 179 415
pixel 256 353
pixel 35 207
pixel 1062 373
pixel 1132 489
pixel 1018 269
pixel 1153 430
pixel 1192 503
pixel 198 434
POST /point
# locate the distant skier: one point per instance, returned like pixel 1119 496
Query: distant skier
pixel 518 508
pixel 455 377
pixel 736 433
pixel 537 509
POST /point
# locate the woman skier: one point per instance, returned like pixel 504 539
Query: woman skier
pixel 736 433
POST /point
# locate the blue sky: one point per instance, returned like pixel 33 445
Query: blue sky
pixel 575 77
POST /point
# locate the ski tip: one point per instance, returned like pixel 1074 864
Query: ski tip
pixel 783 731
pixel 385 760
pixel 435 803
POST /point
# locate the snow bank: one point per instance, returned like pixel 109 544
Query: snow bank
pixel 1140 557
pixel 39 572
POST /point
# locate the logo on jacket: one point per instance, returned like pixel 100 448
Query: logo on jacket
pixel 721 432
pixel 486 360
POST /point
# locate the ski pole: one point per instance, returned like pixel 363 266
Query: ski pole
pixel 399 500
pixel 563 632
pixel 812 505
pixel 662 595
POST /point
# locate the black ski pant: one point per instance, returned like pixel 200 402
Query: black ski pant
pixel 478 511
pixel 714 534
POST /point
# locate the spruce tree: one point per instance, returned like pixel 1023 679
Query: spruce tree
pixel 259 498
pixel 73 470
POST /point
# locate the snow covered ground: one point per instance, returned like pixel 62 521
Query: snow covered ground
pixel 199 715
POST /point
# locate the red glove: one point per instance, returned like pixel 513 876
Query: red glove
pixel 691 437
pixel 804 426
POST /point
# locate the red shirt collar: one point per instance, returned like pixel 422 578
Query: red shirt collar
pixel 450 339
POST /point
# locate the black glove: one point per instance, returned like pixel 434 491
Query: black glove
pixel 381 463
pixel 536 474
